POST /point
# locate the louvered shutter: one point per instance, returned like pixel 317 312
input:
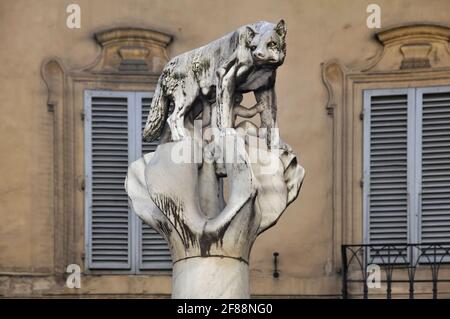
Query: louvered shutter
pixel 153 249
pixel 434 179
pixel 106 149
pixel 386 171
pixel 116 237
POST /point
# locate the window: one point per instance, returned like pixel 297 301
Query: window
pixel 404 60
pixel 407 166
pixel 116 239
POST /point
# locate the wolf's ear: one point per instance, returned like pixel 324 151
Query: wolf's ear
pixel 281 29
pixel 248 35
pixel 250 32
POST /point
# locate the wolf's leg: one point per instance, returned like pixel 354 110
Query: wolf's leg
pixel 229 75
pixel 173 130
pixel 225 96
pixel 225 74
pixel 183 101
pixel 267 97
pixel 172 118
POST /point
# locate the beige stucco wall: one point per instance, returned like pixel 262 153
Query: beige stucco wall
pixel 318 31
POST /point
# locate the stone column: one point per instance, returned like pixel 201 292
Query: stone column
pixel 211 277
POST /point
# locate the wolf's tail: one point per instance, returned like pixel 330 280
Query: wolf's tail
pixel 157 115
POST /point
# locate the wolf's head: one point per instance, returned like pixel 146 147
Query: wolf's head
pixel 268 43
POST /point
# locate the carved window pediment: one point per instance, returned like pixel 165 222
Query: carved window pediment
pixel 413 46
pixel 131 50
pixel 408 47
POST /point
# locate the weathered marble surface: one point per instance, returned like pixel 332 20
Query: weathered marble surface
pixel 179 189
pixel 196 221
pixel 213 77
pixel 211 278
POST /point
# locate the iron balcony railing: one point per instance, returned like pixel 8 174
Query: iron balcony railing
pixel 382 266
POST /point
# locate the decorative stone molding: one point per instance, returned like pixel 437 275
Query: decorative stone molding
pixel 410 55
pixel 419 45
pixel 415 56
pixel 53 74
pixel 131 50
pixel 130 59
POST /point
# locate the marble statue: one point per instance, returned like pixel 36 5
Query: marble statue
pixel 242 61
pixel 213 184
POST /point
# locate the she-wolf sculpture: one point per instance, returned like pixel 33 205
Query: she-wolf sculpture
pixel 242 61
pixel 210 235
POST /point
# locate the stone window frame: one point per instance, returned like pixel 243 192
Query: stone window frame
pixel 130 59
pixel 411 55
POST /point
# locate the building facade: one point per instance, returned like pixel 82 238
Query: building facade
pixel 366 109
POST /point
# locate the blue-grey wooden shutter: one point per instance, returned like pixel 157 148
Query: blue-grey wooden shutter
pixel 107 156
pixel 386 167
pixel 434 177
pixel 154 250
